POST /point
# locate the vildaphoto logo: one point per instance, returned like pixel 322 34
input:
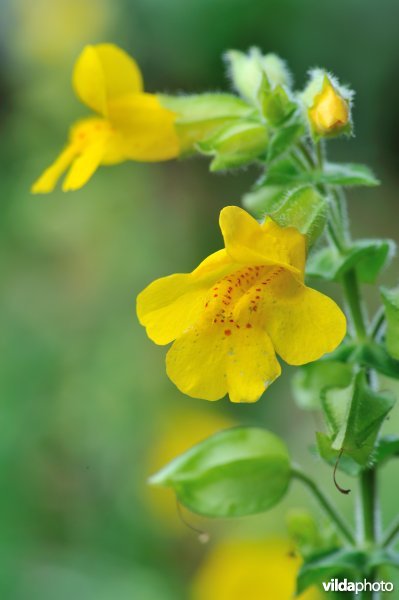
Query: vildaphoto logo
pixel 335 585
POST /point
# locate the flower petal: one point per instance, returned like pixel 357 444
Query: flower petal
pixel 303 324
pixel 168 306
pixel 48 180
pixel 147 128
pixel 85 165
pixel 208 362
pixel 248 242
pixel 103 73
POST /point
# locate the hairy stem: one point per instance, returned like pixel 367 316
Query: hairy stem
pixel 325 503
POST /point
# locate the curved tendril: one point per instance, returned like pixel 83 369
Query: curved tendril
pixel 339 488
pixel 203 536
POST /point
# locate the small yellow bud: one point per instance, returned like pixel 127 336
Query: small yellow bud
pixel 330 111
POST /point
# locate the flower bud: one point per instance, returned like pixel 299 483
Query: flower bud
pixel 328 106
pixel 247 70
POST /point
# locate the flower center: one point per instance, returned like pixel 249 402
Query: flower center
pixel 234 300
pixel 90 130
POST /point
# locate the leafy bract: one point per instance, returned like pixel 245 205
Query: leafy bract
pixel 236 472
pixel 367 257
pixel 354 416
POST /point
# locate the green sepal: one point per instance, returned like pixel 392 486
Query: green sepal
pixel 325 566
pixel 368 257
pixel 236 144
pixel 276 104
pixel 248 71
pixel 376 357
pixel 237 472
pixel 311 380
pixel 283 139
pixel 303 208
pixel 390 298
pixel 199 116
pixel 307 534
pixel 354 416
pixel 264 199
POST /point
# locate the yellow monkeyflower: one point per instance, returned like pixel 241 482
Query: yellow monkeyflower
pixel 254 570
pixel 131 125
pixel 233 313
pixel 330 111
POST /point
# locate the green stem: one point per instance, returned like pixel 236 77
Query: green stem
pixel 324 502
pixel 307 154
pixel 368 504
pixel 377 324
pixel 369 520
pixel 352 294
pixel 392 533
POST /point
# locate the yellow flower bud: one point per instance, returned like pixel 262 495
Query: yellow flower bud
pixel 330 111
pixel 327 105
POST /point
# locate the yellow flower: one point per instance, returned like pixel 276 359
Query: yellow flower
pixel 254 570
pixel 238 308
pixel 132 124
pixel 330 111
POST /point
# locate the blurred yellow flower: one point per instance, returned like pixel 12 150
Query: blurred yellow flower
pixel 250 570
pixel 330 111
pixel 133 125
pixel 175 435
pixel 238 308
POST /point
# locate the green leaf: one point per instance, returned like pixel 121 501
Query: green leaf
pixel 200 115
pixel 326 566
pixel 376 357
pixel 383 556
pixel 333 174
pixel 236 144
pixel 348 175
pixel 310 380
pixel 237 472
pixel 388 447
pixel 368 257
pixel 390 298
pixel 354 416
pixel 283 139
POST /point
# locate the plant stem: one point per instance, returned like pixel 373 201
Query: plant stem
pixel 325 504
pixel 352 295
pixel 377 324
pixel 369 530
pixel 369 519
pixel 391 533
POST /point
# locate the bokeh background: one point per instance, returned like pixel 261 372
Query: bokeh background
pixel 86 409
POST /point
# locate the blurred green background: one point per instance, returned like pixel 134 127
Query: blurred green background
pixel 87 412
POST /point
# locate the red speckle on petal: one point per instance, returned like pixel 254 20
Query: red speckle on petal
pixel 248 325
pixel 227 332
